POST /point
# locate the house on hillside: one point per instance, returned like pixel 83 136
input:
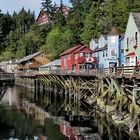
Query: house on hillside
pixel 132 40
pixel 76 58
pixel 46 18
pixel 32 62
pixel 110 50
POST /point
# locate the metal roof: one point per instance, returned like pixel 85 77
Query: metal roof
pixel 71 50
pixel 28 57
pixel 53 63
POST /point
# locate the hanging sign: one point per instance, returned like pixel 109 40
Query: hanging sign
pixel 90 59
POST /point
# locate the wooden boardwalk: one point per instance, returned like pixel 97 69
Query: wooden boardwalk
pixel 7 77
pixel 119 72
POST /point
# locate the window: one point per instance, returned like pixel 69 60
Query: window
pixel 86 54
pixel 106 53
pixel 113 39
pixel 103 53
pixel 81 54
pixel 76 55
pixel 122 50
pixel 113 52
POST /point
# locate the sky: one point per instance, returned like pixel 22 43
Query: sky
pixel 16 5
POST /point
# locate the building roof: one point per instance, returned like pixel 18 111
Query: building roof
pixel 46 18
pixel 28 57
pixel 95 50
pixel 136 17
pixel 53 63
pixel 113 31
pixel 100 49
pixel 70 50
pixel 81 48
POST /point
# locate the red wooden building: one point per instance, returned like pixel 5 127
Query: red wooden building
pixel 45 18
pixel 75 58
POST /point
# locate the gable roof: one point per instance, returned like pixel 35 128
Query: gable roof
pixel 28 57
pixel 70 50
pixel 46 18
pixel 113 31
pixel 136 17
pixel 81 48
pixel 42 17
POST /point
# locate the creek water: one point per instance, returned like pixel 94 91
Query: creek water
pixel 25 116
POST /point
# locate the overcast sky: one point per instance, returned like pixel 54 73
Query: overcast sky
pixel 16 5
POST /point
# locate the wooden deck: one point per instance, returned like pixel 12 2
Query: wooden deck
pixel 7 77
pixel 119 72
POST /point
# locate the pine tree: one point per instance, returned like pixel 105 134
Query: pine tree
pixel 47 6
pixel 90 28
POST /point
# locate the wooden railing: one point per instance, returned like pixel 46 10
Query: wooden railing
pixel 127 71
pixel 7 76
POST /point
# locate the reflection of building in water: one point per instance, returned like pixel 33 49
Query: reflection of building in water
pixel 34 111
pixel 11 97
pixel 72 133
pixel 75 133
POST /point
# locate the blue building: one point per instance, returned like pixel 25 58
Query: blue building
pixel 110 50
pixel 121 51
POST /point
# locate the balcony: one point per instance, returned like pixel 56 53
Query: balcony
pixel 28 66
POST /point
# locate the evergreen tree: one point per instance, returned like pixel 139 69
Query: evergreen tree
pixel 47 6
pixel 90 28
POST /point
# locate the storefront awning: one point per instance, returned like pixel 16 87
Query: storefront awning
pixel 130 54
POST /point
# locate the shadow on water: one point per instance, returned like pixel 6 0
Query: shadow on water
pixel 24 114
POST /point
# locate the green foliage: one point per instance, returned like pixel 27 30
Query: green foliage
pixel 12 29
pixel 87 19
pixel 47 6
pixel 90 28
pixel 56 42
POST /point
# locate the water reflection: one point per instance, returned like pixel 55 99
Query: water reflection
pixel 17 119
pixel 48 116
